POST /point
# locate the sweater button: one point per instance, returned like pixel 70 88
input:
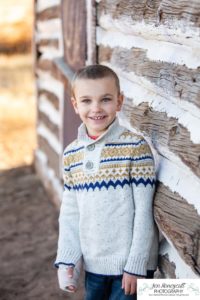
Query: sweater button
pixel 89 165
pixel 91 147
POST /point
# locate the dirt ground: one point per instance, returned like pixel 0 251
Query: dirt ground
pixel 28 237
pixel 28 219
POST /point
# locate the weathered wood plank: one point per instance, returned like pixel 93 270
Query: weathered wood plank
pixel 166 131
pixel 138 10
pixel 171 10
pixel 53 12
pixel 51 126
pixel 74 33
pixel 177 81
pixel 157 12
pixel 52 98
pixel 181 224
pixel 52 156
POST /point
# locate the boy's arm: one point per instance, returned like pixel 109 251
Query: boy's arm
pixel 143 185
pixel 69 250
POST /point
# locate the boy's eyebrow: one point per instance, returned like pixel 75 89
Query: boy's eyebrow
pixel 104 95
pixel 85 97
pixel 107 95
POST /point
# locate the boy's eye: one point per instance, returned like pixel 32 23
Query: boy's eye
pixel 106 99
pixel 85 100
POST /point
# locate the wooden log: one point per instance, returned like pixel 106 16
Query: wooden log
pixel 52 98
pixel 53 68
pixel 74 33
pixel 52 157
pixel 180 222
pixel 177 81
pixel 53 12
pixel 165 131
pixel 51 126
pixel 166 268
pixel 46 65
pixel 51 43
pixel 157 12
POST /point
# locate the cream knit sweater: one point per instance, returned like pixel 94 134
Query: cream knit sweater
pixel 106 214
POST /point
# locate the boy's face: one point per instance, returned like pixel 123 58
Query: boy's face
pixel 96 101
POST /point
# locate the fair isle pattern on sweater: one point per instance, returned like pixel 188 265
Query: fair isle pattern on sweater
pixel 120 164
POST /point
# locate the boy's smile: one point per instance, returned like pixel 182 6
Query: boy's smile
pixel 97 102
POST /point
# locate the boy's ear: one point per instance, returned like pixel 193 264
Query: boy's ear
pixel 74 103
pixel 120 101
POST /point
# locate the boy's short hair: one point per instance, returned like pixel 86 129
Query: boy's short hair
pixel 95 72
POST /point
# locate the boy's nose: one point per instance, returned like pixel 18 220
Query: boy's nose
pixel 96 107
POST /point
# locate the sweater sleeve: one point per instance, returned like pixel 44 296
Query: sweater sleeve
pixel 143 184
pixel 69 249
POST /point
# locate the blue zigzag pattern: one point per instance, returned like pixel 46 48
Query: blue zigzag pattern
pixel 125 144
pixel 110 183
pixel 73 166
pixel 73 150
pixel 127 158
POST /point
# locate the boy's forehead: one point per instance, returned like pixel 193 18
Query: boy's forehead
pixel 105 84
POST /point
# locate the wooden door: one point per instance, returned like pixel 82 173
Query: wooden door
pixel 74 42
pixel 74 33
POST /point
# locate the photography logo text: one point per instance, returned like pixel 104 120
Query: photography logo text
pixel 168 288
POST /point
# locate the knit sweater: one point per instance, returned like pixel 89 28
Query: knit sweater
pixel 106 214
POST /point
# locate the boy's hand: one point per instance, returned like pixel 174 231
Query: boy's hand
pixel 129 284
pixel 70 273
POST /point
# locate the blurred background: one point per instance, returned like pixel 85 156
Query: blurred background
pixel 17 98
pixel 28 235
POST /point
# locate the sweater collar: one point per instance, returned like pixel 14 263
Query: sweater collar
pixel 109 134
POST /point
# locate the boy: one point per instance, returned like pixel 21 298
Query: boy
pixel 106 215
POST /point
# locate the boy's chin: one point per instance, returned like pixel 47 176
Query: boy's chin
pixel 99 129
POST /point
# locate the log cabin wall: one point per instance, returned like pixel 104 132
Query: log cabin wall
pixel 154 46
pixel 48 44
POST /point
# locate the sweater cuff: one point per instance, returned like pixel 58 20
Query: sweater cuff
pixel 136 265
pixel 62 265
pixel 67 257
